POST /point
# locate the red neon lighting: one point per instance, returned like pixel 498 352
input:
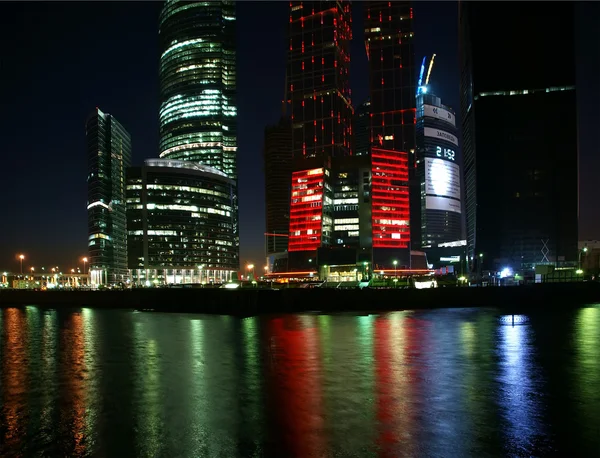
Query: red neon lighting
pixel 389 196
pixel 305 210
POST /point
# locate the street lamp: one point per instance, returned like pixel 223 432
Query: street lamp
pixel 85 260
pixel 21 257
pixel 395 268
pixel 583 250
pixel 251 267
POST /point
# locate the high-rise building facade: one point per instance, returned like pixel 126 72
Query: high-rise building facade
pixel 181 223
pixel 318 77
pixel 109 154
pixel 438 170
pixel 278 177
pixel 519 128
pixel 198 114
pixel 362 129
pixel 389 42
pixel 198 83
pixel 321 114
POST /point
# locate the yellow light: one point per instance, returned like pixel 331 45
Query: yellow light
pixel 250 266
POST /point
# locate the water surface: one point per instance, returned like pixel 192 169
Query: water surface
pixel 441 383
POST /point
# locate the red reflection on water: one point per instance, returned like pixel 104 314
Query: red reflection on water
pixel 396 381
pixel 14 379
pixel 294 386
pixel 72 345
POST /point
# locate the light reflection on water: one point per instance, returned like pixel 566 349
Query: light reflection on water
pixel 432 383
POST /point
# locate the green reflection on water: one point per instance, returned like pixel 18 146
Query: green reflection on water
pixel 347 381
pixel 251 384
pixel 478 345
pixel 148 406
pixel 587 370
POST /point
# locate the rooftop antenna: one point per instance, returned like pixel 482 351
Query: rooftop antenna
pixel 429 71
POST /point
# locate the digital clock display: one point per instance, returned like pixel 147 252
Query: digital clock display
pixel 445 153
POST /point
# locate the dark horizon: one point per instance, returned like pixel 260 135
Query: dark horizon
pixel 69 58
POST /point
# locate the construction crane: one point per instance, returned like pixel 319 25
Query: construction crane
pixel 429 70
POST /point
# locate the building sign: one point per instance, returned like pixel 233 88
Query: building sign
pixel 439 113
pixel 442 185
pixel 441 135
pixel 442 203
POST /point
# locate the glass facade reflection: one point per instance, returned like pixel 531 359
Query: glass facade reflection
pixel 197 83
pixel 182 218
pixel 109 154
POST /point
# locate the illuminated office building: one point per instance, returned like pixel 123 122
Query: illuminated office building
pixel 438 171
pixel 109 154
pixel 394 189
pixel 198 114
pixel 519 133
pixel 318 78
pixel 198 84
pixel 181 223
pixel 321 115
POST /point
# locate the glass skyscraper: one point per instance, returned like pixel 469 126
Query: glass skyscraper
pixel 198 116
pixel 519 133
pixel 198 83
pixel 109 154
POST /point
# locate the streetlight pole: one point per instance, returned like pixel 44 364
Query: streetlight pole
pixel 583 250
pixel 21 257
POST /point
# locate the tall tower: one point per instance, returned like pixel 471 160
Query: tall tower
pixel 198 83
pixel 278 175
pixel 394 184
pixel 392 79
pixel 519 129
pixel 198 114
pixel 318 76
pixel 109 154
pixel 321 116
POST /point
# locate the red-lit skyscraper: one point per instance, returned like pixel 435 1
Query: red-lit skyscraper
pixel 321 114
pixel 393 87
pixel 318 78
pixel 389 45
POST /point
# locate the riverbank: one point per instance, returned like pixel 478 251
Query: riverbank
pixel 248 302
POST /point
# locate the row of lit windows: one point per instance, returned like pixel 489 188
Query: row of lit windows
pixel 169 187
pixel 190 208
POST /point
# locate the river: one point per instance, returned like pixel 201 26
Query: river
pixel 439 383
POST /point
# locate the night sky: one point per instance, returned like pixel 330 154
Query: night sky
pixel 58 61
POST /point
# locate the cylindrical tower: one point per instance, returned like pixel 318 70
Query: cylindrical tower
pixel 198 83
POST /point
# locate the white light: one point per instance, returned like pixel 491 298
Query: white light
pixel 94 204
pixel 440 177
pixel 506 272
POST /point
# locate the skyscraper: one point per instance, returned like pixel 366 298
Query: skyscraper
pixel 438 170
pixel 519 126
pixel 109 154
pixel 181 224
pixel 321 115
pixel 198 83
pixel 394 189
pixel 198 89
pixel 389 40
pixel 278 176
pixel 362 129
